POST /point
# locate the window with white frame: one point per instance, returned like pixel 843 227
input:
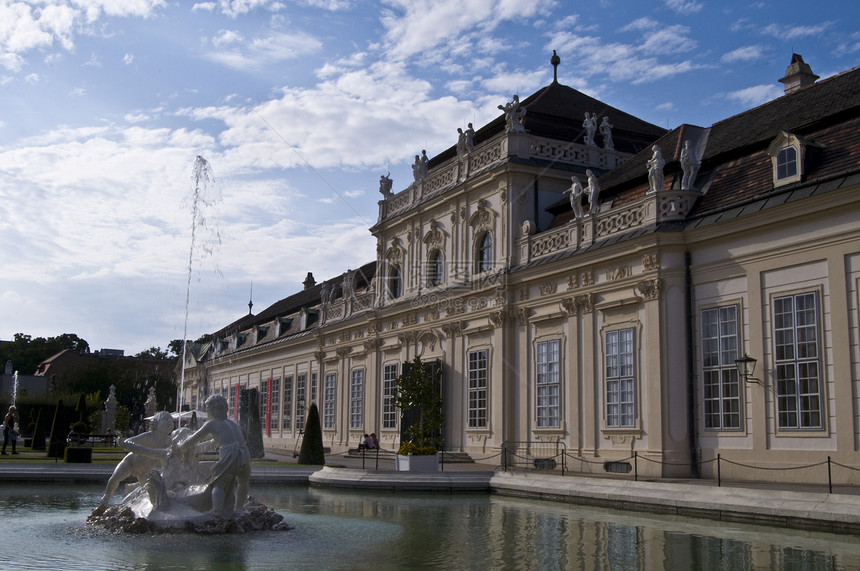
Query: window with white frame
pixel 797 356
pixel 786 163
pixel 548 383
pixel 301 404
pixel 287 418
pixel 721 393
pixel 313 387
pixel 329 389
pixel 275 404
pixel 389 411
pixel 356 399
pixel 263 399
pixel 620 380
pixel 478 375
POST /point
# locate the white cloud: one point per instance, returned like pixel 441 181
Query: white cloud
pixel 235 52
pixel 128 59
pixel 745 53
pixel 794 32
pixel 685 6
pixel 756 95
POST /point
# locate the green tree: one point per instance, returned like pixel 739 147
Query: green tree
pixel 312 452
pixel 153 353
pixel 417 393
pixel 26 352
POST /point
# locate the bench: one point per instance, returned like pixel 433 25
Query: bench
pixel 91 439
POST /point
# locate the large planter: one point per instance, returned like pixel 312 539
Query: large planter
pixel 412 463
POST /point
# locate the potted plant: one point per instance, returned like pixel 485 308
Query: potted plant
pixel 417 393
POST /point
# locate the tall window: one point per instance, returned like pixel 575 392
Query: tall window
pixel 478 389
pixel 313 387
pixel 263 401
pixel 328 400
pixel 301 404
pixel 548 384
pixel 720 383
pixel 434 269
pixel 485 253
pixel 356 399
pixel 798 368
pixel 389 411
pixel 620 385
pixel 275 404
pixel 786 163
pixel 287 419
pixel 395 282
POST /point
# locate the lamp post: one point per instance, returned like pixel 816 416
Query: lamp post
pixel 746 366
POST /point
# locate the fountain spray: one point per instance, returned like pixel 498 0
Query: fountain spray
pixel 202 199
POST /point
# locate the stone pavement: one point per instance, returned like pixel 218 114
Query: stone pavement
pixel 799 507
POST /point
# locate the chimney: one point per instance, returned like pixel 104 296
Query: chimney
pixel 798 74
pixel 309 281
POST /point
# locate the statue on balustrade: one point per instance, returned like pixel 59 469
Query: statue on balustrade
pixel 655 170
pixel 689 165
pixel 606 133
pixel 514 114
pixel 593 192
pixel 576 191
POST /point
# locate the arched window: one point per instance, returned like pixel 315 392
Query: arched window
pixel 434 269
pixel 395 282
pixel 485 253
pixel 786 163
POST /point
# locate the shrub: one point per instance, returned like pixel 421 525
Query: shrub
pixel 415 450
pixel 312 452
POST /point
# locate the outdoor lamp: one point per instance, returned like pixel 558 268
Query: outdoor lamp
pixel 746 366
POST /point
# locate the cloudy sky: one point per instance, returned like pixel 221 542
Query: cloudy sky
pixel 299 106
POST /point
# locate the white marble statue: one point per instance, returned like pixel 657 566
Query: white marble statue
pixel 514 114
pixel 146 451
pixel 655 170
pixel 590 126
pixel 230 475
pixel 689 165
pixel 461 143
pixel 606 133
pixel 575 193
pixel 150 406
pixel 593 192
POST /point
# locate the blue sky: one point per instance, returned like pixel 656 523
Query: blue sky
pixel 299 106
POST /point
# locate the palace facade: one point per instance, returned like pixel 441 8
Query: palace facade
pixel 588 279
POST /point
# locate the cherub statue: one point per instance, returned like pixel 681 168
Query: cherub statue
pixel 576 191
pixel 655 170
pixel 146 451
pixel 230 475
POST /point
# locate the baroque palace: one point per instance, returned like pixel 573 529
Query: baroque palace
pixel 587 279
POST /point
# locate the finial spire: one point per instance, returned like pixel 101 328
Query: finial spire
pixel 554 60
pixel 251 300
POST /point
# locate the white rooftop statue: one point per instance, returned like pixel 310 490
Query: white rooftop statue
pixel 576 191
pixel 514 114
pixel 606 133
pixel 593 192
pixel 655 170
pixel 689 165
pixel 590 126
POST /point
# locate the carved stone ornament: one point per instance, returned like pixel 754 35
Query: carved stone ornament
pixel 569 306
pixel 372 345
pixel 343 337
pixel 409 319
pixel 618 273
pixel 585 302
pixel 650 289
pixel 522 315
pixel 343 351
pixel 395 252
pixel 548 288
pixel 528 228
pixel 453 329
pixel 649 261
pixel 319 354
pixel 497 318
pixel 407 337
pixel 572 281
pixel 482 217
pixel 428 338
pixel 435 237
pixel 586 279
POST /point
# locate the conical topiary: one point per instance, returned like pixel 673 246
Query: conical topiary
pixel 59 431
pixel 312 444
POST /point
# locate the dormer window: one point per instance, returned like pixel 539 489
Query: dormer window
pixel 787 153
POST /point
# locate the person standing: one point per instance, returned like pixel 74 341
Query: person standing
pixel 10 432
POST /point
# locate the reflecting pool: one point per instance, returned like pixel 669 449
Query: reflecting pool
pixel 43 528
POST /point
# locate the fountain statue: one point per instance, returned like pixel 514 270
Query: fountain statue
pixel 175 490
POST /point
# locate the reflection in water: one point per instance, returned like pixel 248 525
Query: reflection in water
pixel 362 530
